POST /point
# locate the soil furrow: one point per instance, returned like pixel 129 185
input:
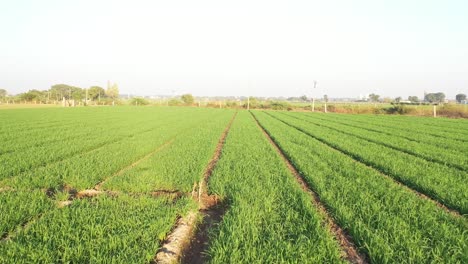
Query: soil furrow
pixel 350 252
pixel 189 238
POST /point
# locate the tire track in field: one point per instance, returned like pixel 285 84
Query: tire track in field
pixel 409 152
pixel 370 166
pixel 349 250
pixel 188 239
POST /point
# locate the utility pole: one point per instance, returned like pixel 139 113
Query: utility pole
pixel 313 99
pixel 325 98
pixel 248 102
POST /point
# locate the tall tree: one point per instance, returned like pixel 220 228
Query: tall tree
pixel 33 95
pixel 413 99
pixel 460 97
pixel 113 91
pixel 374 97
pixel 95 91
pixel 303 98
pixel 188 99
pixel 3 93
pixel 434 97
pixel 58 91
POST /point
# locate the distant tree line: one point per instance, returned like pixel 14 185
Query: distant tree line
pixel 59 92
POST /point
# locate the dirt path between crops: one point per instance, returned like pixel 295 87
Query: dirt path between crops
pixel 188 241
pixel 349 250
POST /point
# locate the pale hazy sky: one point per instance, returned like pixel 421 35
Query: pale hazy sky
pixel 259 48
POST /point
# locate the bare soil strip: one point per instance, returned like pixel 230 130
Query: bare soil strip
pixel 399 183
pixel 189 238
pixel 349 250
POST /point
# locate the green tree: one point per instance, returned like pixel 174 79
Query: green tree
pixel 139 101
pixel 460 97
pixel 413 99
pixel 187 99
pixel 398 99
pixel 434 97
pixel 325 98
pixel 3 93
pixel 95 92
pixel 33 95
pixel 374 97
pixel 78 94
pixel 303 98
pixel 112 91
pixel 63 90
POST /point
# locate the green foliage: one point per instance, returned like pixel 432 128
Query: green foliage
pixel 18 207
pixel 112 91
pixel 388 222
pixel 443 183
pixel 174 102
pixel 267 211
pixel 460 97
pixel 397 109
pixel 181 163
pixel 351 161
pixel 187 99
pixel 33 95
pixel 139 101
pixel 374 97
pixel 58 91
pixel 279 105
pixel 119 229
pixel 96 92
pixel 434 97
pixel 3 93
pixel 413 99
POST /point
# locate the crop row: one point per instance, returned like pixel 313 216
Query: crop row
pixel 120 229
pixel 40 121
pixel 398 131
pixel 269 218
pixel 437 129
pixel 389 223
pixel 445 184
pixel 178 166
pixel 429 152
pixel 85 170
